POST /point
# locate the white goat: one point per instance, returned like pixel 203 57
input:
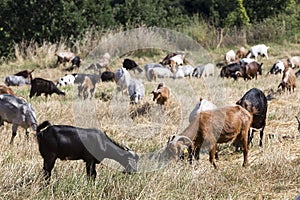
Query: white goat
pixel 201 106
pixel 259 49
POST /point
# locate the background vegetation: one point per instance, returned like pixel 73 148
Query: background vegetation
pixel 204 20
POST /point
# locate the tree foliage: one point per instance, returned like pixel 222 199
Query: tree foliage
pixel 25 20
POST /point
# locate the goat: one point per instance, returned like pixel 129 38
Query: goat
pixel 221 125
pixel 184 71
pixel 256 50
pixel 85 88
pixel 202 105
pixel 131 65
pixel 255 102
pixel 241 53
pixel 64 56
pixel 294 61
pixel 180 60
pixel 122 79
pixel 278 67
pixel 198 71
pixel 230 70
pixel 288 80
pixel 229 57
pixel 74 143
pixel 136 90
pixel 107 75
pixel 6 90
pixel 18 112
pixel 103 62
pixel 13 80
pixel 250 70
pixel 162 95
pixel 158 72
pixel 66 80
pixel 209 70
pixel 42 86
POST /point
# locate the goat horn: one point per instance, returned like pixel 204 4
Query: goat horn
pixel 178 137
pixel 125 146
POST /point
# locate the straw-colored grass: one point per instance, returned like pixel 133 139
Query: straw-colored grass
pixel 274 171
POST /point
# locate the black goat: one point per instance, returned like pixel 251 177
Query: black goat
pixel 131 65
pixel 40 86
pixel 256 103
pixel 73 143
pixel 230 70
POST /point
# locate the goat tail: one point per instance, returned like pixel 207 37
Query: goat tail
pixel 43 125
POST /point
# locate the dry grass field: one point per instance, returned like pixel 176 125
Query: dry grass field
pixel 273 173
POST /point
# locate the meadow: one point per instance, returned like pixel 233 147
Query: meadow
pixel 273 173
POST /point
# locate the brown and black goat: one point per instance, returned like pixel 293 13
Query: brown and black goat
pixel 162 95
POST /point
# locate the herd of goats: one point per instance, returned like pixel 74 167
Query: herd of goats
pixel 208 126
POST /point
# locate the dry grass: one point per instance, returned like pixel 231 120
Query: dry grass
pixel 273 172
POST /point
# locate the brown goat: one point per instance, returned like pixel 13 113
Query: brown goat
pixel 6 90
pixel 288 80
pixel 211 127
pixel 241 53
pixel 86 87
pixel 162 95
pixel 250 70
pixel 25 73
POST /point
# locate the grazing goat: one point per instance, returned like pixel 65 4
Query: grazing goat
pixel 25 73
pixel 122 79
pixel 107 76
pixel 184 71
pixel 250 70
pixel 202 105
pixel 198 71
pixel 229 57
pixel 131 65
pixel 103 62
pixel 256 103
pixel 136 90
pixel 17 112
pixel 162 95
pixel 73 143
pixel 6 90
pixel 294 61
pixel 66 80
pixel 221 125
pixel 209 70
pixel 241 53
pixel 179 60
pixel 158 72
pixel 64 56
pixel 41 86
pixel 230 70
pixel 86 87
pixel 256 50
pixel 288 80
pixel 278 67
pixel 13 80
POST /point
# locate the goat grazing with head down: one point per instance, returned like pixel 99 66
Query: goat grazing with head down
pixel 74 143
pixel 288 80
pixel 162 95
pixel 209 128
